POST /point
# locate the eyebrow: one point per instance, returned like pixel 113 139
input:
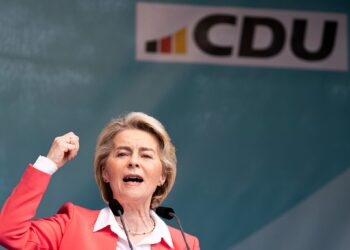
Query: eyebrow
pixel 123 147
pixel 129 149
pixel 147 149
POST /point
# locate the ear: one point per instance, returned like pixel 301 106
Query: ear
pixel 162 180
pixel 105 176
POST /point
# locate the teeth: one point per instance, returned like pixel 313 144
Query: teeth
pixel 133 179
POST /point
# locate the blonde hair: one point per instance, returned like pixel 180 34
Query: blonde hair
pixel 141 121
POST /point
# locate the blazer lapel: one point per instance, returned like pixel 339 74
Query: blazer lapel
pixel 160 246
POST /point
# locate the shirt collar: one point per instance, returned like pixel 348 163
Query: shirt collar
pixel 106 218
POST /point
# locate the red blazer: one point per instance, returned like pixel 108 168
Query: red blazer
pixel 70 228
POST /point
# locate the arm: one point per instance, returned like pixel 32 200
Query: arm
pixel 18 230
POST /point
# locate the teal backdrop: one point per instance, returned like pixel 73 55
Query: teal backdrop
pixel 263 153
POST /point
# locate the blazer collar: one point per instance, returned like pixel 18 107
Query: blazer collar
pixel 161 231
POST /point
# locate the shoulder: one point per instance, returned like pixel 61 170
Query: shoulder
pixel 69 206
pixel 78 213
pixel 178 241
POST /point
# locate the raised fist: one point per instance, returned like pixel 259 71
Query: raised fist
pixel 63 149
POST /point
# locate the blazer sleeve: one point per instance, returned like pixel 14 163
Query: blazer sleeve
pixel 195 245
pixel 18 230
pixel 178 240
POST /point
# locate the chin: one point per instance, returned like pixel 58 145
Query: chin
pixel 135 197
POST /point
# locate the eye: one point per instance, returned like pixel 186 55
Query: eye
pixel 121 154
pixel 148 156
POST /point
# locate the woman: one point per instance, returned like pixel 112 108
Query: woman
pixel 135 163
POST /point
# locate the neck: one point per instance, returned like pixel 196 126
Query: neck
pixel 138 219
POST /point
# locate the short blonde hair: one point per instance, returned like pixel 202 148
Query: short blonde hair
pixel 141 121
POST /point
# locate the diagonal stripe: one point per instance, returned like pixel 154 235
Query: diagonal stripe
pixel 321 222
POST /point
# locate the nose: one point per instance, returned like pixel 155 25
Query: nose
pixel 133 162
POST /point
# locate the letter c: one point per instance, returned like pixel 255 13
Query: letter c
pixel 201 34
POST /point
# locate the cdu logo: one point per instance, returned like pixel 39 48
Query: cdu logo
pixel 171 44
pixel 239 36
pixel 250 25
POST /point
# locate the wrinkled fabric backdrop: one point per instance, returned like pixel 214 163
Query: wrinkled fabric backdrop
pixel 263 152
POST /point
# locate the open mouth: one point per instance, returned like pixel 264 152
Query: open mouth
pixel 133 178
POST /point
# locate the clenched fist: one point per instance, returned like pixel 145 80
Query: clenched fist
pixel 63 149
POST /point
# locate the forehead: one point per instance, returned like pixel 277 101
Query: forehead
pixel 135 138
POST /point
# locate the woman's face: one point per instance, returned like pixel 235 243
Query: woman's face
pixel 133 167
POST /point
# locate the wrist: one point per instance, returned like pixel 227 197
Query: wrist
pixel 45 164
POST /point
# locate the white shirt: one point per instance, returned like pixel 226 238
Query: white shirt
pixel 106 218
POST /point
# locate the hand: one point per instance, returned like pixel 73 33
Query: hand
pixel 63 149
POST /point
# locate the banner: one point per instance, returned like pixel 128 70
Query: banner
pixel 242 36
